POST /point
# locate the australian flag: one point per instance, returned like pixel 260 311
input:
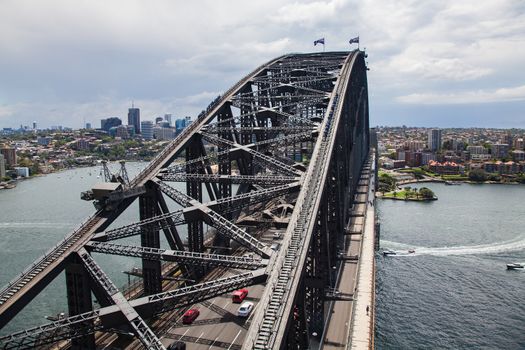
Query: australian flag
pixel 319 41
pixel 354 40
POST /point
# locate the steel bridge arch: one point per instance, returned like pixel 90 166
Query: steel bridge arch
pixel 293 131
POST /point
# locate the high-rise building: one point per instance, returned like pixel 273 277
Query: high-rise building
pixel 43 140
pixel 34 125
pixel 147 129
pixel 518 144
pixel 507 139
pixel 167 117
pixel 108 123
pixel 82 144
pixel 163 133
pixel 88 125
pixel 179 124
pixel 499 150
pixel 2 167
pixel 187 121
pixel 122 131
pixel 134 118
pixel 434 139
pixel 158 120
pixel 9 155
pixel 414 145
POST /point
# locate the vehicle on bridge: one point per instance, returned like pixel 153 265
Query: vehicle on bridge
pixel 239 295
pixel 190 316
pixel 245 309
pixel 178 345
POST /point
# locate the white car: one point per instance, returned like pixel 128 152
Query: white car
pixel 245 309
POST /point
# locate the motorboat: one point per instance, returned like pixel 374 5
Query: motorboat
pixel 411 251
pixel 452 183
pixel 513 266
pixel 389 252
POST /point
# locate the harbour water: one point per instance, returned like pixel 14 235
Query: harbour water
pixel 454 292
pixel 37 214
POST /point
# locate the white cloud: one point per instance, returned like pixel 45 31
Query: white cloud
pixel 467 97
pixel 308 14
pixel 64 55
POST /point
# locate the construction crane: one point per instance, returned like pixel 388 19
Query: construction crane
pixel 107 195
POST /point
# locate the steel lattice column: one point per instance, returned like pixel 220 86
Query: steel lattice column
pixel 297 336
pixel 79 301
pixel 225 189
pixel 330 235
pixel 224 160
pixel 194 190
pixel 149 237
pixel 247 119
pixel 317 277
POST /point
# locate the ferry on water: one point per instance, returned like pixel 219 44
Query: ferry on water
pixel 513 266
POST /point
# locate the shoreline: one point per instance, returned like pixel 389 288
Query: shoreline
pixel 407 199
pixel 459 182
pixel 13 183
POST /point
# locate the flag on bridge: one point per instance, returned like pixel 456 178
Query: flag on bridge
pixel 319 41
pixel 354 40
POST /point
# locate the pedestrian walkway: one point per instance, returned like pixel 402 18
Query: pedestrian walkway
pixel 350 322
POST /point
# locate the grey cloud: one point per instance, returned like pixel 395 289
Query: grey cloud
pixel 89 59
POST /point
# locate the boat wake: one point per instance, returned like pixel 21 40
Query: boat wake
pixel 491 248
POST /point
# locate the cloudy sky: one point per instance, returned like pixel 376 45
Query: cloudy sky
pixel 432 63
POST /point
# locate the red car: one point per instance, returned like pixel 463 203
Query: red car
pixel 190 316
pixel 239 295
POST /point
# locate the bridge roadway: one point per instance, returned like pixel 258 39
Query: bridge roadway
pixel 350 325
pixel 43 270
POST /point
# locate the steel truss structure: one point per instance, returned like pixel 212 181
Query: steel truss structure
pixel 291 134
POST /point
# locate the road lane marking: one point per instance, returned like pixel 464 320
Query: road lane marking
pixel 234 339
pixel 213 342
pixel 182 336
pixel 197 341
pixel 253 312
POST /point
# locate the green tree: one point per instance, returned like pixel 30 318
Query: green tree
pixel 25 162
pixel 408 192
pixel 478 175
pixel 426 193
pixel 447 144
pixel 387 182
pixel 418 173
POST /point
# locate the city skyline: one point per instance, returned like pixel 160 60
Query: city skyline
pixel 433 64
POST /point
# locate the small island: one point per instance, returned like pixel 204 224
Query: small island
pixel 410 194
pixel 388 189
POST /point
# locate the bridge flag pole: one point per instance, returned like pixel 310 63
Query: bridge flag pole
pixel 319 41
pixel 354 40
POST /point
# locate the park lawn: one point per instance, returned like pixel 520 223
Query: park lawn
pixel 418 170
pixel 399 194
